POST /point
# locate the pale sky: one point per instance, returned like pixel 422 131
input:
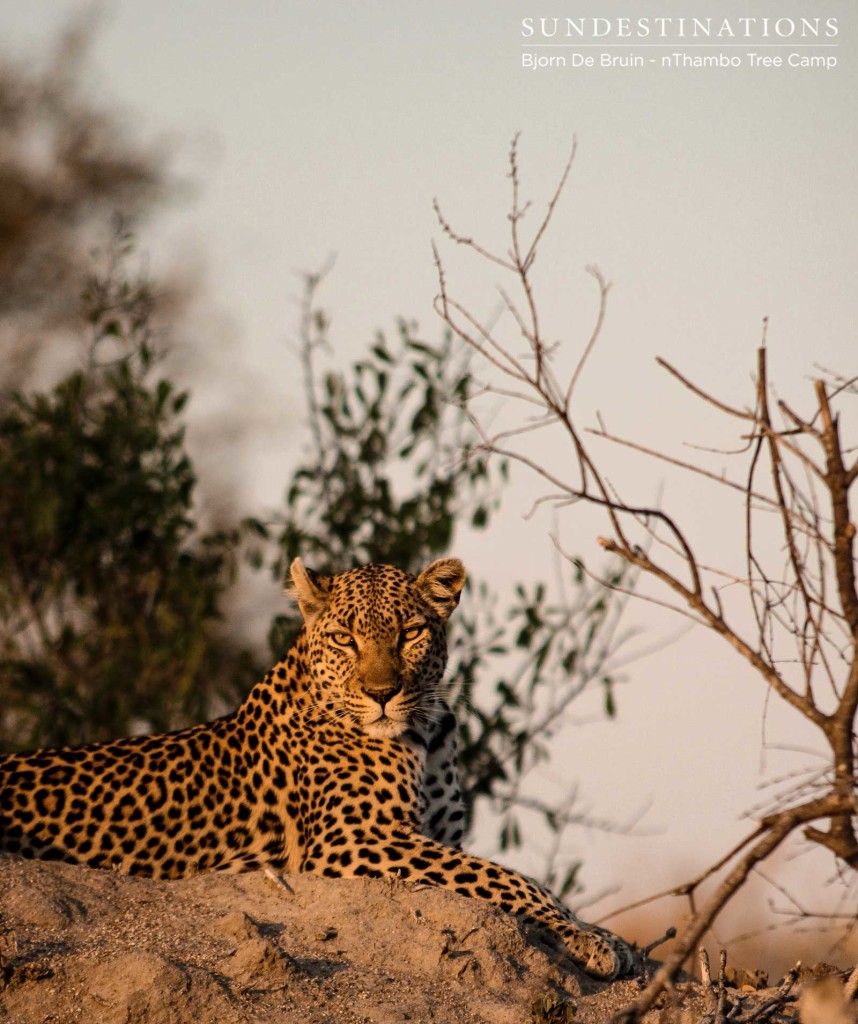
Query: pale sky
pixel 710 198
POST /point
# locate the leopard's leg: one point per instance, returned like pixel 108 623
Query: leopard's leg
pixel 413 857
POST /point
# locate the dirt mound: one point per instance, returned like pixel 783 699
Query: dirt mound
pixel 91 946
pixel 79 945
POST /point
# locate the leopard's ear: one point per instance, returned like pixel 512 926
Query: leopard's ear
pixel 309 590
pixel 440 585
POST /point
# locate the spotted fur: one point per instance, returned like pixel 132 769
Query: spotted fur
pixel 342 761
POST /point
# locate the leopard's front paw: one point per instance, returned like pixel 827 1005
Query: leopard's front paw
pixel 598 953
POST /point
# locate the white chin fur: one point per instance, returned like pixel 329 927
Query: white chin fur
pixel 382 727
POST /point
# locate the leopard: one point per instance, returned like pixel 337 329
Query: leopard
pixel 341 761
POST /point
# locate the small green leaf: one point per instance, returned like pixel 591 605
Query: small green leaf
pixel 610 705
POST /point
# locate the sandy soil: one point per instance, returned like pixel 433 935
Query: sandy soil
pixel 78 945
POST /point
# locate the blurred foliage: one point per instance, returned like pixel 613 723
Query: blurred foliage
pixel 385 476
pixel 67 163
pixel 108 588
pixel 542 651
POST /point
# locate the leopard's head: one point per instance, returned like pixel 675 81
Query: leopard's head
pixel 376 640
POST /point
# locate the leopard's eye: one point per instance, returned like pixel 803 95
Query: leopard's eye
pixel 413 632
pixel 341 639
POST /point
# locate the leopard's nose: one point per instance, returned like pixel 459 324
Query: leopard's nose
pixel 383 696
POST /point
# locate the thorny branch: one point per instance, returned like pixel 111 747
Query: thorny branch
pixel 803 611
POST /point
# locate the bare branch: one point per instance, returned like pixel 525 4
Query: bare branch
pixel 604 287
pixel 773 832
pixel 741 413
pixel 561 185
pixel 681 464
pixel 800 633
pixel 469 242
pixel 844 529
